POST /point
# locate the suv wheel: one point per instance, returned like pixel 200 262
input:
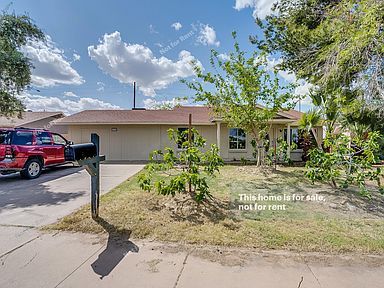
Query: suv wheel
pixel 32 169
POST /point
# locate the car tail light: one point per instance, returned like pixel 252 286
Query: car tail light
pixel 9 153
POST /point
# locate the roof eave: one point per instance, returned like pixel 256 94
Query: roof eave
pixel 130 123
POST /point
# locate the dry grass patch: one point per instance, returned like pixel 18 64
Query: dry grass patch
pixel 345 222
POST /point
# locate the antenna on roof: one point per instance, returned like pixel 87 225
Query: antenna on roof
pixel 134 95
pixel 134 98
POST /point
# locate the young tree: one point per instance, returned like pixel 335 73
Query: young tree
pixel 15 68
pixel 342 161
pixel 185 171
pixel 244 94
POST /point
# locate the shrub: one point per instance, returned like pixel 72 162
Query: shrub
pixel 341 158
pixel 185 171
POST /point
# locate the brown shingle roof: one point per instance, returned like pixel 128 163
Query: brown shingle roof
pixel 294 114
pixel 179 115
pixel 28 117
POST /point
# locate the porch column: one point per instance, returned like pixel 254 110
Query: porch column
pixel 218 136
pixel 289 140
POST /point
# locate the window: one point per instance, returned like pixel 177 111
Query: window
pixel 43 138
pixel 4 137
pixel 58 140
pixel 22 138
pixel 183 132
pixel 237 139
pixel 297 137
pixel 294 136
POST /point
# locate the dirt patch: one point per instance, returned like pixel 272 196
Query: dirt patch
pixel 245 256
pixel 151 266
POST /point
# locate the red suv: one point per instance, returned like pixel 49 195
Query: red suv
pixel 30 150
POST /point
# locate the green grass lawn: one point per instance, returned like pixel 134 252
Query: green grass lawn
pixel 342 222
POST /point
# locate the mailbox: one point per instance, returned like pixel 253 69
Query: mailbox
pixel 77 152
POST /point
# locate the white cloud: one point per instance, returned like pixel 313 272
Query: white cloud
pixel 261 8
pixel 76 57
pixel 151 103
pixel 177 26
pixel 286 75
pixel 223 56
pixel 303 87
pixel 70 94
pixel 303 90
pixel 51 66
pixel 134 62
pixel 207 36
pixel 100 86
pixel 45 103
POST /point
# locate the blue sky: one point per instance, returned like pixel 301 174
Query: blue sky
pixel 96 49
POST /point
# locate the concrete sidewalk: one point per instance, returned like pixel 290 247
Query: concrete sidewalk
pixel 82 260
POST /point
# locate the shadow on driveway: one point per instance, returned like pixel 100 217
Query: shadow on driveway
pixel 118 246
pixel 19 193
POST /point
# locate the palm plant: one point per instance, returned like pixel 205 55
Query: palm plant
pixel 307 123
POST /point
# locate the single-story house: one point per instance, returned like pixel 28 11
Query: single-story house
pixel 44 120
pixel 133 134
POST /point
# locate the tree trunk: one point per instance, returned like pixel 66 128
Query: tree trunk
pixel 259 148
pixel 318 142
pixel 334 184
pixel 260 152
pixel 258 162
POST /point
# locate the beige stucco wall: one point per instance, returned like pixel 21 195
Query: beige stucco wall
pixel 135 142
pixel 276 131
pixel 132 142
pixel 247 153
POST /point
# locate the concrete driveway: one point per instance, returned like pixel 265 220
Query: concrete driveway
pixel 56 193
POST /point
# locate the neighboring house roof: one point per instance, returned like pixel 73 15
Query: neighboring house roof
pixel 29 117
pixel 178 115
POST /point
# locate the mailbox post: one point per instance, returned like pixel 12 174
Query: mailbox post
pixel 95 180
pixel 92 165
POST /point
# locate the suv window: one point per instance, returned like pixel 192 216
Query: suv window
pixel 4 137
pixel 22 138
pixel 58 140
pixel 43 138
